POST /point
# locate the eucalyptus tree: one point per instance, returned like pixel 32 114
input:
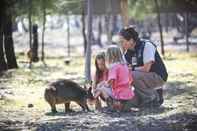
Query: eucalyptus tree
pixel 7 53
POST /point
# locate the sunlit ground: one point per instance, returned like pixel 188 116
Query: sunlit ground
pixel 22 87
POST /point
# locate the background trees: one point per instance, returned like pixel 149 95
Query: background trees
pixel 135 12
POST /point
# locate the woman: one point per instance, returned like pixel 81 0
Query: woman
pixel 149 71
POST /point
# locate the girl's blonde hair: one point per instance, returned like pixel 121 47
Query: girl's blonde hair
pixel 114 55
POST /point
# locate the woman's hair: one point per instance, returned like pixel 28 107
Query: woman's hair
pixel 99 73
pixel 114 54
pixel 129 33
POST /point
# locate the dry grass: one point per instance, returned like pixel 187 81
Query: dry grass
pixel 23 86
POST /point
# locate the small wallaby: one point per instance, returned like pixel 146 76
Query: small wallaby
pixel 64 91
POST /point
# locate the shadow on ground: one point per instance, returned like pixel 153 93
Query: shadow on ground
pixel 108 121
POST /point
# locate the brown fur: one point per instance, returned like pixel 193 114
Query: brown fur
pixel 63 92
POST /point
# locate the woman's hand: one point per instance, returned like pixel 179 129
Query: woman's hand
pixel 146 67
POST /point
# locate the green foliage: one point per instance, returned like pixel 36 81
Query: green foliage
pixel 22 7
pixel 139 9
pixel 69 6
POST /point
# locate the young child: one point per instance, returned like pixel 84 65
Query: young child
pixel 118 86
pixel 101 75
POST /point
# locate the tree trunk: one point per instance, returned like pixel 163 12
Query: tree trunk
pixel 68 35
pixel 99 32
pixel 8 41
pixel 108 20
pixel 186 32
pixel 167 22
pixel 23 25
pixel 108 24
pixel 160 27
pixel 114 25
pixel 124 12
pixel 3 65
pixel 30 29
pixel 88 51
pixel 43 30
pixel 83 29
pixel 35 44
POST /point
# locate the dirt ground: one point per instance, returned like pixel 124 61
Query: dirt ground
pixel 23 107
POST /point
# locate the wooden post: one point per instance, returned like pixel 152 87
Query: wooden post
pixel 88 50
pixel 124 12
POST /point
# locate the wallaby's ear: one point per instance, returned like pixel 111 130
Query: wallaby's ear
pixel 90 89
